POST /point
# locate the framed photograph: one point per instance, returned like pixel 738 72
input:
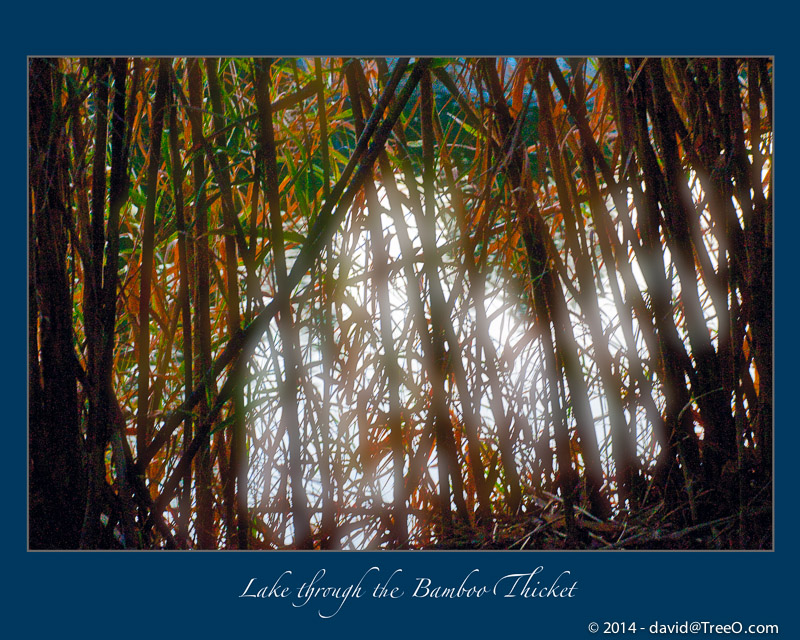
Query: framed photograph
pixel 430 336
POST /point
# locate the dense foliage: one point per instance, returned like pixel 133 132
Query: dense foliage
pixel 392 303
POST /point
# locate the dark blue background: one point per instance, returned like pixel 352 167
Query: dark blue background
pixel 181 594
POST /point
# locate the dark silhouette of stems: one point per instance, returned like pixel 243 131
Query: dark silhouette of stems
pixel 148 239
pixel 571 245
pixel 341 198
pixel 185 269
pixel 565 344
pixel 57 480
pixel 325 272
pixel 714 407
pixel 96 436
pixel 622 447
pixel 204 385
pixel 245 340
pixel 484 344
pixel 355 81
pixel 235 485
pixel 441 325
pixel 291 355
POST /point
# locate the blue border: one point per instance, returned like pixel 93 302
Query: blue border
pixel 174 594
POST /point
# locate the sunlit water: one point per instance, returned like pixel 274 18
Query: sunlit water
pixel 354 382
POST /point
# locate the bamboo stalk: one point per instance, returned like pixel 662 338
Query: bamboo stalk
pixel 380 259
pixel 148 239
pixel 185 269
pixel 204 520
